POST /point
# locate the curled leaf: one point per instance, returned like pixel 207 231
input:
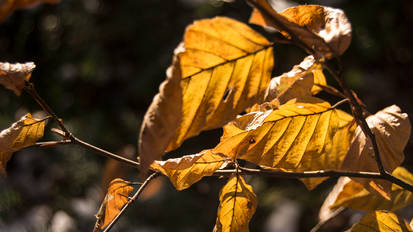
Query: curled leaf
pixel 21 134
pixel 189 169
pixel 238 203
pixel 324 29
pixel 381 221
pixel 391 128
pixel 301 82
pixel 115 199
pixel 13 76
pixel 225 68
pixel 298 136
pixel 350 194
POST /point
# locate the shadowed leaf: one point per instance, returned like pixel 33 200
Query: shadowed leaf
pixel 391 128
pixel 331 30
pixel 13 76
pixel 21 134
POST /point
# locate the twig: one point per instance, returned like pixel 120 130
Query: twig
pixel 100 151
pixel 132 199
pixel 29 88
pixel 322 223
pixel 331 90
pixel 52 143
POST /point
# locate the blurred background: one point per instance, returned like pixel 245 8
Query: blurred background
pixel 99 64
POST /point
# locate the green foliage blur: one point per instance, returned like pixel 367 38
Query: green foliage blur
pixel 99 64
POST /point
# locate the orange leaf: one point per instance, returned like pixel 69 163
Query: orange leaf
pixel 238 203
pixel 324 29
pixel 391 128
pixel 115 199
pixel 381 221
pixel 13 76
pixel 225 68
pixel 189 169
pixel 21 134
pixel 298 136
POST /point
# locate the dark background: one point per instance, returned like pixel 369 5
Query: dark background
pixel 99 64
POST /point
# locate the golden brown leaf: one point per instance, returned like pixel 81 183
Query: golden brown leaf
pixel 238 203
pixel 187 170
pixel 13 76
pixel 350 194
pixel 298 136
pixel 381 221
pixel 301 82
pixel 324 29
pixel 115 199
pixel 391 128
pixel 225 68
pixel 7 7
pixel 21 134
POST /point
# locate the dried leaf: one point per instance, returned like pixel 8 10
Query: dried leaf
pixel 391 128
pixel 296 137
pixel 115 199
pixel 238 203
pixel 381 221
pixel 189 169
pixel 13 76
pixel 161 122
pixel 21 134
pixel 226 67
pixel 351 194
pixel 301 82
pixel 324 29
pixel 7 7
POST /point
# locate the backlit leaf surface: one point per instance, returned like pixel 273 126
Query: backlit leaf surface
pixel 187 170
pixel 115 199
pixel 21 134
pixel 391 128
pixel 298 136
pixel 237 205
pixel 225 68
pixel 381 221
pixel 301 82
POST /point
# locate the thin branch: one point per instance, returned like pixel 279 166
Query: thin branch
pixel 331 90
pixel 100 151
pixel 52 143
pixel 358 115
pixel 30 89
pixel 132 199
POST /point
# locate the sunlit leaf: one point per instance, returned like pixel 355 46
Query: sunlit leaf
pixel 225 68
pixel 331 30
pixel 13 76
pixel 187 170
pixel 238 203
pixel 301 82
pixel 391 128
pixel 8 6
pixel 351 194
pixel 115 199
pixel 298 136
pixel 21 134
pixel 381 221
